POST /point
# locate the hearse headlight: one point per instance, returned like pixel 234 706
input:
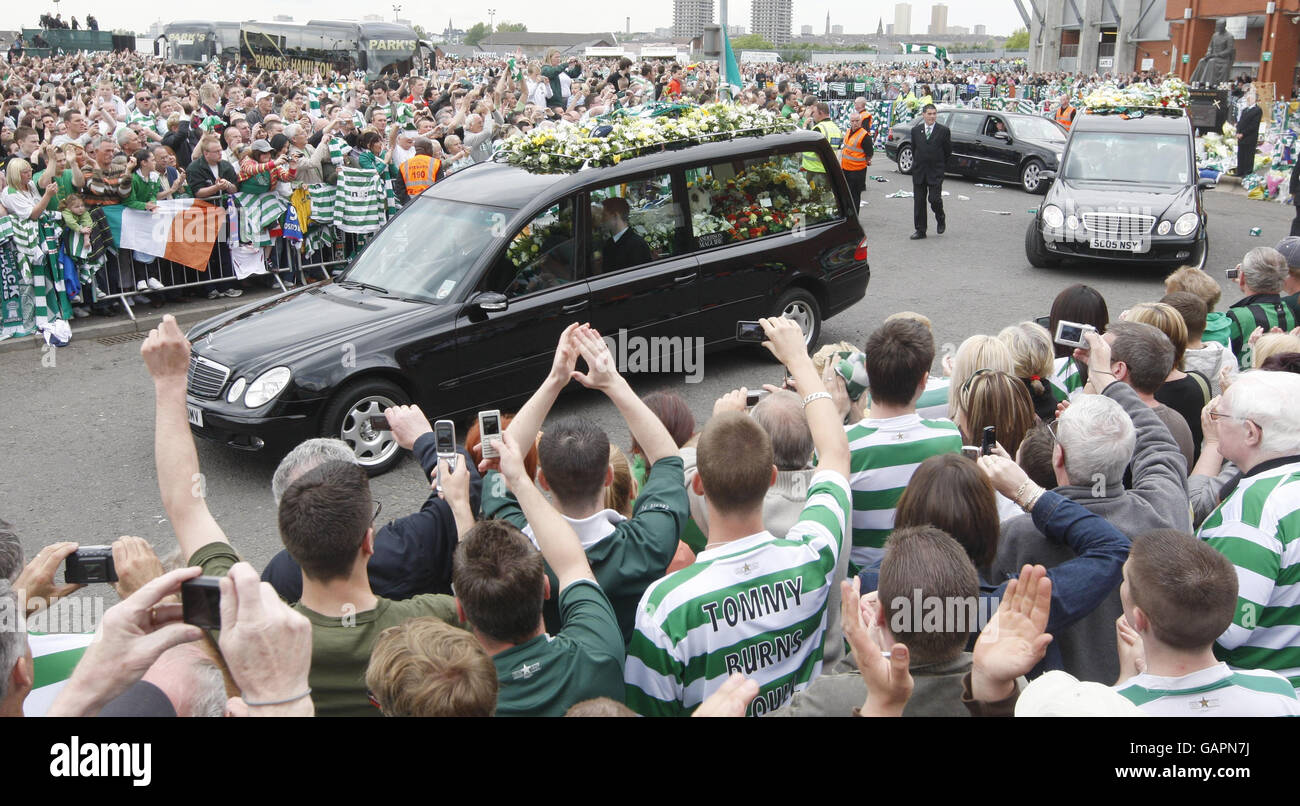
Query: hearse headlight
pixel 1187 223
pixel 236 389
pixel 1164 227
pixel 266 387
pixel 1053 217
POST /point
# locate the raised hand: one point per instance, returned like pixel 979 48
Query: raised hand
pixel 1015 639
pixel 889 679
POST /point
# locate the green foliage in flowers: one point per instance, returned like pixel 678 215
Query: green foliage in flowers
pixel 569 146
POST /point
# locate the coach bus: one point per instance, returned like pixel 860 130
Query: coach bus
pixel 198 42
pixel 377 48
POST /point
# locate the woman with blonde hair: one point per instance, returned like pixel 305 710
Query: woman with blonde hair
pixel 1274 344
pixel 35 288
pixel 622 491
pixel 976 353
pixel 1000 400
pixel 1031 353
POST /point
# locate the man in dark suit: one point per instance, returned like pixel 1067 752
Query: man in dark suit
pixel 932 151
pixel 623 248
pixel 210 178
pixel 1248 134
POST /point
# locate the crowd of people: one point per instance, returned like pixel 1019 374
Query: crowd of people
pixel 307 166
pixel 1036 529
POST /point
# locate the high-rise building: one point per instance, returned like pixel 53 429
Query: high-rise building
pixel 837 30
pixel 771 19
pixel 902 19
pixel 939 18
pixel 889 29
pixel 690 17
pixel 981 30
pixel 805 30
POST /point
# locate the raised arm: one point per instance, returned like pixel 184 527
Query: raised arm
pixel 167 355
pixel 785 340
pixel 555 537
pixel 647 429
pixel 528 421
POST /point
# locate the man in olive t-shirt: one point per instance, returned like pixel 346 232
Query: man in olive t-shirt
pixel 325 520
pixel 340 645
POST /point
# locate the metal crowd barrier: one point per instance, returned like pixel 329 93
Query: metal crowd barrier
pixel 119 278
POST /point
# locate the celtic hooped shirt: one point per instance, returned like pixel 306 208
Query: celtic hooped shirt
pixel 755 606
pixel 1216 691
pixel 1257 527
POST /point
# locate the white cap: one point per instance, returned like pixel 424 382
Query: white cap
pixel 1060 694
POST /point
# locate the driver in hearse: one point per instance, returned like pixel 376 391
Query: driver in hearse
pixel 624 247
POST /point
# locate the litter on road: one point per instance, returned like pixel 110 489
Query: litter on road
pixel 963 198
pixel 900 194
pixel 999 212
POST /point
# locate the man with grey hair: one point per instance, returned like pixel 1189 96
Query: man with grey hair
pixel 1142 356
pixel 1102 433
pixel 478 136
pixel 412 553
pixel 1257 425
pixel 1260 276
pixel 16 671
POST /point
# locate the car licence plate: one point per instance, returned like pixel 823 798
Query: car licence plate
pixel 1120 244
pixel 196 415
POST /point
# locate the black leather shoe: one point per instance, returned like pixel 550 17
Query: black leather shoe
pixel 918 235
pixel 943 225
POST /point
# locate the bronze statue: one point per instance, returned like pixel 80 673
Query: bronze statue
pixel 1216 66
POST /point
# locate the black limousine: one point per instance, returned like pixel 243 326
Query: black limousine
pixel 997 146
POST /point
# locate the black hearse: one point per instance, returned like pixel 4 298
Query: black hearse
pixel 457 304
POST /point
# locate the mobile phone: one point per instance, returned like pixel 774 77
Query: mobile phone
pixel 90 564
pixel 380 423
pixel 1233 273
pixel 989 440
pixel 753 396
pixel 750 331
pixel 444 442
pixel 489 430
pixel 201 602
pixel 1070 334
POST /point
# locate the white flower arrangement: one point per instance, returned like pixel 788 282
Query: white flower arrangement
pixel 1169 94
pixel 570 146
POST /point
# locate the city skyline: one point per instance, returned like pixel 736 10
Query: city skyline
pixel 999 16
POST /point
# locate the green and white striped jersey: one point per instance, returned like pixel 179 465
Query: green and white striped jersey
pixel 1066 380
pixel 756 605
pixel 885 454
pixel 54 656
pixel 1216 691
pixel 933 402
pixel 1257 527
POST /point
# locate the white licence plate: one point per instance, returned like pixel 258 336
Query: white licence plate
pixel 1120 244
pixel 196 415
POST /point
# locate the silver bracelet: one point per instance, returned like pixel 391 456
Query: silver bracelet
pixel 816 396
pixel 279 702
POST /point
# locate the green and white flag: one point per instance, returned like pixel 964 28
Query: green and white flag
pixel 360 202
pixel 731 69
pixel 934 50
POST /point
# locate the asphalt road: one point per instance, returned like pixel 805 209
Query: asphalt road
pixel 77 437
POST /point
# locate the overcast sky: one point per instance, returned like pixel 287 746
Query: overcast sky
pixel 857 16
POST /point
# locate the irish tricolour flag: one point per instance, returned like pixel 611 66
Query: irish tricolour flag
pixel 934 50
pixel 180 230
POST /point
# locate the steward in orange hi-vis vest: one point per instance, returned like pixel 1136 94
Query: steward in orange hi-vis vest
pixel 419 173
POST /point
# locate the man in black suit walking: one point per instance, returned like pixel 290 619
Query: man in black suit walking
pixel 624 248
pixel 932 150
